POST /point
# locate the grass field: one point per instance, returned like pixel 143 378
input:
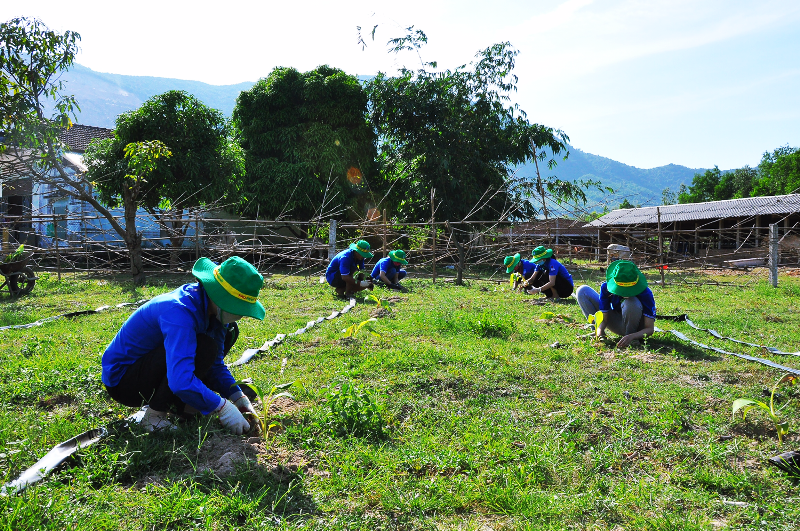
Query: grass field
pixel 474 420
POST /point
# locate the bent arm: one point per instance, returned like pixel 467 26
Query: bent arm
pixel 649 328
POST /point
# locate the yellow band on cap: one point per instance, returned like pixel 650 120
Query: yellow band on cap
pixel 539 256
pixel 627 284
pixel 230 289
pixel 361 249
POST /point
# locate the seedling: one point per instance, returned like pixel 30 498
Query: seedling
pixel 380 303
pixel 267 399
pixel 745 404
pixel 351 331
pixel 512 281
pixel 354 412
pixel 16 255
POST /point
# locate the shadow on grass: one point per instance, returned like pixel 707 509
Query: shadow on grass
pixel 670 345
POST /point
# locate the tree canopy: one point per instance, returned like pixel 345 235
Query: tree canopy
pixel 206 165
pixel 456 131
pixel 778 173
pixel 308 147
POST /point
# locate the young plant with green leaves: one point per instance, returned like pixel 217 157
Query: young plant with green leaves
pixel 16 255
pixel 352 330
pixel 267 399
pixel 781 424
pixel 380 303
pixel 353 411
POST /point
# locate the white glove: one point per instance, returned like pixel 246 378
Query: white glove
pixel 232 418
pixel 243 403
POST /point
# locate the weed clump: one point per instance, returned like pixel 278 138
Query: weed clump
pixel 352 411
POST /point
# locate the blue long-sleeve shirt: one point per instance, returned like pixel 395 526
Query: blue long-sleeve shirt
pixel 346 262
pixel 173 320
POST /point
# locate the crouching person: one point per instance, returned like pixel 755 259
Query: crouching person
pixel 168 355
pixel 628 306
pixel 550 277
pixel 525 268
pixel 344 268
pixel 387 271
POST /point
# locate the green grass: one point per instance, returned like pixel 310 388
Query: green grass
pixel 488 427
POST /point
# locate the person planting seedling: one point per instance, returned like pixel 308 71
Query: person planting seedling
pixel 168 356
pixel 387 271
pixel 550 276
pixel 518 265
pixel 627 304
pixel 346 266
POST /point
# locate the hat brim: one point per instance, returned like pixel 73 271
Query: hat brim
pixel 547 254
pixel 203 270
pixel 514 263
pixel 398 260
pixel 354 247
pixel 627 291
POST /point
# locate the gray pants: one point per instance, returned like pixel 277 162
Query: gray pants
pixel 627 322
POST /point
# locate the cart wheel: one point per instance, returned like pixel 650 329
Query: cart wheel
pixel 21 282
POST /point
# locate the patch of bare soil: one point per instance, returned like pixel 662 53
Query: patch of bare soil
pixel 54 401
pixel 395 298
pixel 379 312
pixel 648 357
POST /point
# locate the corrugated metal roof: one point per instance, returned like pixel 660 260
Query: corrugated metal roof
pixel 731 208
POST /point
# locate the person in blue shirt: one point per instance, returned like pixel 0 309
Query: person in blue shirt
pixel 550 277
pixel 525 268
pixel 346 266
pixel 628 306
pixel 168 355
pixel 387 271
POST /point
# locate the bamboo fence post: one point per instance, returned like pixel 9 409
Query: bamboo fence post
pixel 433 229
pixel 58 254
pixel 384 233
pixel 196 237
pixel 660 247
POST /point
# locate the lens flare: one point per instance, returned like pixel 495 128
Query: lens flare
pixel 354 175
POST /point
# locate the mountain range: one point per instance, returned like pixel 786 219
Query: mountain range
pixel 103 96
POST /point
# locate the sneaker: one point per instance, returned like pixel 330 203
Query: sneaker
pixel 153 420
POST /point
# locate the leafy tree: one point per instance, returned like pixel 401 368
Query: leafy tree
pixel 206 165
pixel 308 147
pixel 668 197
pixel 627 204
pixel 702 188
pixel 779 172
pixel 455 132
pixel 32 57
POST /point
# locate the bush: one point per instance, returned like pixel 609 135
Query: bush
pixel 352 411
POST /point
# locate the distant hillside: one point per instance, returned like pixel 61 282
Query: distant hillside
pixel 103 96
pixel 638 185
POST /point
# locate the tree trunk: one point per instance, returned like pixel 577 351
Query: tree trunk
pixel 133 239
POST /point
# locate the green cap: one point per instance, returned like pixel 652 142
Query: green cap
pixel 362 247
pixel 511 262
pixel 398 256
pixel 623 278
pixel 233 285
pixel 541 253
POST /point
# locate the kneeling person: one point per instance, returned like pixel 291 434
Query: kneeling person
pixel 551 277
pixel 387 271
pixel 517 264
pixel 169 354
pixel 342 271
pixel 628 306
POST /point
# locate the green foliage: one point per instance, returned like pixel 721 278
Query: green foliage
pixel 456 132
pixel 32 58
pixel 307 141
pixel 206 164
pixel 143 158
pixel 781 425
pixel 380 303
pixel 352 411
pixel 627 204
pixel 352 330
pixel 779 172
pixel 16 255
pixel 267 398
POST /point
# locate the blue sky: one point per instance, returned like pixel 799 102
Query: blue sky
pixel 647 83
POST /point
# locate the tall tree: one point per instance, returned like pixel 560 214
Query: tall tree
pixel 308 146
pixel 456 131
pixel 206 166
pixel 32 58
pixel 779 172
